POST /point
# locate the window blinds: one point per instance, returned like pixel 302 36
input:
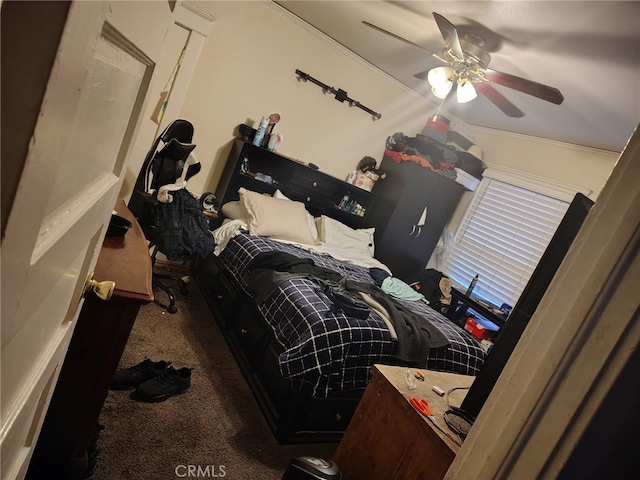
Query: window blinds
pixel 502 237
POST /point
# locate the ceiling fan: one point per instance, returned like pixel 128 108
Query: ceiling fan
pixel 467 62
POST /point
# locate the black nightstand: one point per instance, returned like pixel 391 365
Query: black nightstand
pixel 460 304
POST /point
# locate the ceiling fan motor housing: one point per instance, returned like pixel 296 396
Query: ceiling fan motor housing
pixel 472 47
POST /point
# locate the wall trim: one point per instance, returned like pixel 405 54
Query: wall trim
pixel 575 146
pixel 454 119
pixel 194 19
pixel 323 36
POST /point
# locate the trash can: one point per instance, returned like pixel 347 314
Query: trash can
pixel 311 468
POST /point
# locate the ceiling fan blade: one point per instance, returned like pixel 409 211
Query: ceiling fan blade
pixel 498 99
pixel 450 35
pixel 550 94
pixel 397 37
pixel 421 75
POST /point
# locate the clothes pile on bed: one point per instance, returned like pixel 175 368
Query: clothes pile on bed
pixel 329 346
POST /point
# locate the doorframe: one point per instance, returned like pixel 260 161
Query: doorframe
pixel 197 23
pixel 578 342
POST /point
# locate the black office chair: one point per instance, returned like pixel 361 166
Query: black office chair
pixel 170 217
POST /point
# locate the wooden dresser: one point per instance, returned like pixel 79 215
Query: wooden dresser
pixel 94 353
pixel 388 439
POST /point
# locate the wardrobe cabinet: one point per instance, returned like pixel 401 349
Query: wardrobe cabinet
pixel 413 205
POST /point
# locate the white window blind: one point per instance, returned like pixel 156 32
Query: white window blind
pixel 502 237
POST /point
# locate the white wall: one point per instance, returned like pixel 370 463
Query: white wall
pixel 172 73
pixel 571 164
pixel 246 70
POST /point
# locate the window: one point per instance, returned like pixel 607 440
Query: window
pixel 502 237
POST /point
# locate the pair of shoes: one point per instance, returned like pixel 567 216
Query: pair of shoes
pixel 168 383
pixel 130 378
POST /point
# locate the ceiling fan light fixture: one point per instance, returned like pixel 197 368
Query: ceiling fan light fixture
pixel 442 92
pixel 440 80
pixel 466 91
pixel 440 77
pixel 469 56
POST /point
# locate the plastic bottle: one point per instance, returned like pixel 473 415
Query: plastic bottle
pixel 344 202
pixel 472 285
pixel 262 129
pixel 274 141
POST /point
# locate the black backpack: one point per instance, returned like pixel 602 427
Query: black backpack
pixel 427 282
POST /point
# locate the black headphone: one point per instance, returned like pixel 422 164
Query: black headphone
pixel 208 202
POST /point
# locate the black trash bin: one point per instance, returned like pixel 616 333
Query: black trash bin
pixel 311 468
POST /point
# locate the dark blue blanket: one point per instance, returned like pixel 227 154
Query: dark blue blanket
pixel 326 351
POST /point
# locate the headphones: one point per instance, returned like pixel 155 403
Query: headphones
pixel 208 202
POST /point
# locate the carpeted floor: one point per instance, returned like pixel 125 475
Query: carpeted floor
pixel 215 428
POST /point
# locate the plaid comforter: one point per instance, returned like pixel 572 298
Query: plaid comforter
pixel 324 350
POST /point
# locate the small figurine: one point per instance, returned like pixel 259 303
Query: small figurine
pixel 273 119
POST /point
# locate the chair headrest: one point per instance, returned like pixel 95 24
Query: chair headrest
pixel 181 130
pixel 176 150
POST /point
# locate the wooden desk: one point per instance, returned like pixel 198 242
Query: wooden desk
pixel 96 346
pixel 388 439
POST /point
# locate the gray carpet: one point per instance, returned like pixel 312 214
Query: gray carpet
pixel 215 427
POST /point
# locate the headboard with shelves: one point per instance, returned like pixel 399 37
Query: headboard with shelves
pixel 260 170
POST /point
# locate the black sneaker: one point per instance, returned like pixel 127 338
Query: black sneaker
pixel 128 378
pixel 170 382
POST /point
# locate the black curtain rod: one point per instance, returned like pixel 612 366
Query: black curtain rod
pixel 340 94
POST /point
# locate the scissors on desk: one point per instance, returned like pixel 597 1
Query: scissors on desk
pixel 423 407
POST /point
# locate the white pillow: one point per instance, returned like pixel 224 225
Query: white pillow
pixel 274 217
pixel 333 232
pixel 310 219
pixel 234 210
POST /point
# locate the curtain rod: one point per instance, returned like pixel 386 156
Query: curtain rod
pixel 340 94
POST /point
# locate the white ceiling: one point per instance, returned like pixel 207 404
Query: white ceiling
pixel 589 50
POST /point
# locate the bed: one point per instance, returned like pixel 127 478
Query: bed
pixel 306 360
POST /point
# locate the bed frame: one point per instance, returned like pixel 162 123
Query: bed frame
pixel 292 416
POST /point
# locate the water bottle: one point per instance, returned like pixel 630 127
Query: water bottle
pixel 262 129
pixel 472 286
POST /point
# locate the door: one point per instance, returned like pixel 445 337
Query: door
pixel 440 206
pixel 79 113
pixel 412 203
